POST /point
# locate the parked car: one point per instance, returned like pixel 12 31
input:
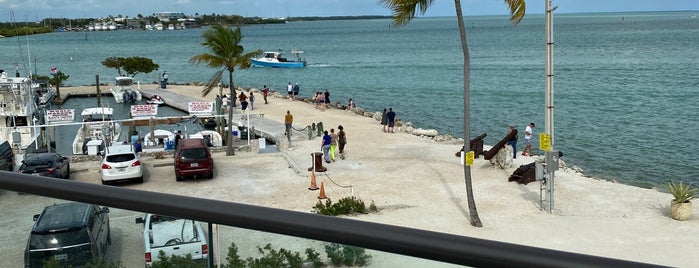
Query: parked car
pixel 121 162
pixel 68 235
pixel 7 156
pixel 46 164
pixel 172 236
pixel 193 158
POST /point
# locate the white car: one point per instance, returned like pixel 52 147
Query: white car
pixel 121 162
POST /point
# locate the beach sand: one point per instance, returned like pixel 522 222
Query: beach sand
pixel 419 183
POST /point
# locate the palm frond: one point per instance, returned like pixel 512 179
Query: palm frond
pixel 213 83
pixel 517 10
pixel 405 10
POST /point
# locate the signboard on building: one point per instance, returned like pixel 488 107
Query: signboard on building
pixel 63 115
pixel 144 110
pixel 201 108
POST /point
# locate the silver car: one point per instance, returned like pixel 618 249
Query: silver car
pixel 120 163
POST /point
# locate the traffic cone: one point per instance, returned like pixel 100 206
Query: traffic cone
pixel 313 182
pixel 321 195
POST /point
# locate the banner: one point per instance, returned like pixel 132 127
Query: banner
pixel 201 108
pixel 60 115
pixel 144 110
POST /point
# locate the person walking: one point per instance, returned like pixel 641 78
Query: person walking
pixel 333 144
pixel 178 137
pixel 289 90
pixel 265 92
pixel 528 135
pixel 224 103
pixel 513 140
pixel 384 121
pixel 391 115
pixel 244 108
pixel 341 141
pixel 252 101
pixel 288 120
pixel 296 91
pixel 325 146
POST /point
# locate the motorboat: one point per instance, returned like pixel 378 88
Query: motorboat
pixel 124 90
pixel 162 140
pixel 209 123
pixel 98 129
pixel 43 93
pixel 210 137
pixel 156 99
pixel 17 110
pixel 275 59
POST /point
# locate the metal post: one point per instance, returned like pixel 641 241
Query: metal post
pixel 210 255
pixel 310 132
pixel 549 102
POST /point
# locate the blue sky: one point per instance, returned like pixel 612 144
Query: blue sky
pixel 39 9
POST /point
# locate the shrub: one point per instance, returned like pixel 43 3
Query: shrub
pixel 680 191
pixel 346 255
pixel 344 206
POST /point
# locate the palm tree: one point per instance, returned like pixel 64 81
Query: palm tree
pixel 403 12
pixel 57 80
pixel 224 51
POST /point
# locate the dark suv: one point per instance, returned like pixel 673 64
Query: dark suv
pixel 47 165
pixel 68 235
pixel 193 158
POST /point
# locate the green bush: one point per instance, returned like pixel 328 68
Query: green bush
pixel 346 255
pixel 680 191
pixel 344 206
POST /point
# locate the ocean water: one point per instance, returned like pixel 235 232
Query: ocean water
pixel 625 84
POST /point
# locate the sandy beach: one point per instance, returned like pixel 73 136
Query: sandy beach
pixel 419 183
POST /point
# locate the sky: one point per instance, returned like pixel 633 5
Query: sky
pixel 33 10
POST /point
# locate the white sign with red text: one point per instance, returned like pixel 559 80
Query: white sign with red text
pixel 201 108
pixel 144 110
pixel 60 115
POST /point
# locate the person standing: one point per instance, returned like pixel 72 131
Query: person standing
pixel 391 115
pixel 289 90
pixel 243 108
pixel 296 91
pixel 327 97
pixel 224 103
pixel 384 121
pixel 528 135
pixel 252 101
pixel 325 146
pixel 333 144
pixel 178 137
pixel 164 80
pixel 265 92
pixel 513 140
pixel 350 104
pixel 341 141
pixel 288 120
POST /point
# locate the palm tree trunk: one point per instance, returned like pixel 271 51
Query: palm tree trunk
pixel 229 135
pixel 475 220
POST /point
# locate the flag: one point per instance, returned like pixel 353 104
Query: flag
pixel 54 71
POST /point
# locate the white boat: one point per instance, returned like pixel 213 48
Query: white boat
pixel 274 59
pixel 17 110
pixel 158 26
pixel 171 27
pixel 98 127
pixel 212 138
pixel 43 93
pixel 155 99
pixel 160 140
pixel 125 91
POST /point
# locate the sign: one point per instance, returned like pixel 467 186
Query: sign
pixel 469 158
pixel 545 142
pixel 201 108
pixel 144 110
pixel 60 115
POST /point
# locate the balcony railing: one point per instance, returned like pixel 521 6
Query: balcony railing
pixel 400 240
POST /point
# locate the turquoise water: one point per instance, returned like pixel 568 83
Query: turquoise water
pixel 624 89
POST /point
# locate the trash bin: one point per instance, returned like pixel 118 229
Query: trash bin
pixel 235 134
pixel 318 159
pixel 170 145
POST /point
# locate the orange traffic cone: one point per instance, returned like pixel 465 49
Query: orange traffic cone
pixel 321 195
pixel 313 182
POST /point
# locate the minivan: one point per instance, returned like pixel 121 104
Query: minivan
pixel 68 235
pixel 7 156
pixel 193 158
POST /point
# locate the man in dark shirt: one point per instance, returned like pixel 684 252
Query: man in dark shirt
pixel 178 137
pixel 391 119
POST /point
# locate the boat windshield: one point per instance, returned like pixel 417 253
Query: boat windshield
pixel 124 82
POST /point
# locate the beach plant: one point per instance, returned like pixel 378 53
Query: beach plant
pixel 225 50
pixel 403 12
pixel 680 191
pixel 348 256
pixel 344 206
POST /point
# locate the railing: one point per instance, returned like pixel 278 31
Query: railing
pixel 405 241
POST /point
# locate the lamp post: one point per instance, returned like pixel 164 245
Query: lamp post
pixel 551 156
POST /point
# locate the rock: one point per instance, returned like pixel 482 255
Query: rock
pixel 377 116
pixel 408 129
pixel 425 132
